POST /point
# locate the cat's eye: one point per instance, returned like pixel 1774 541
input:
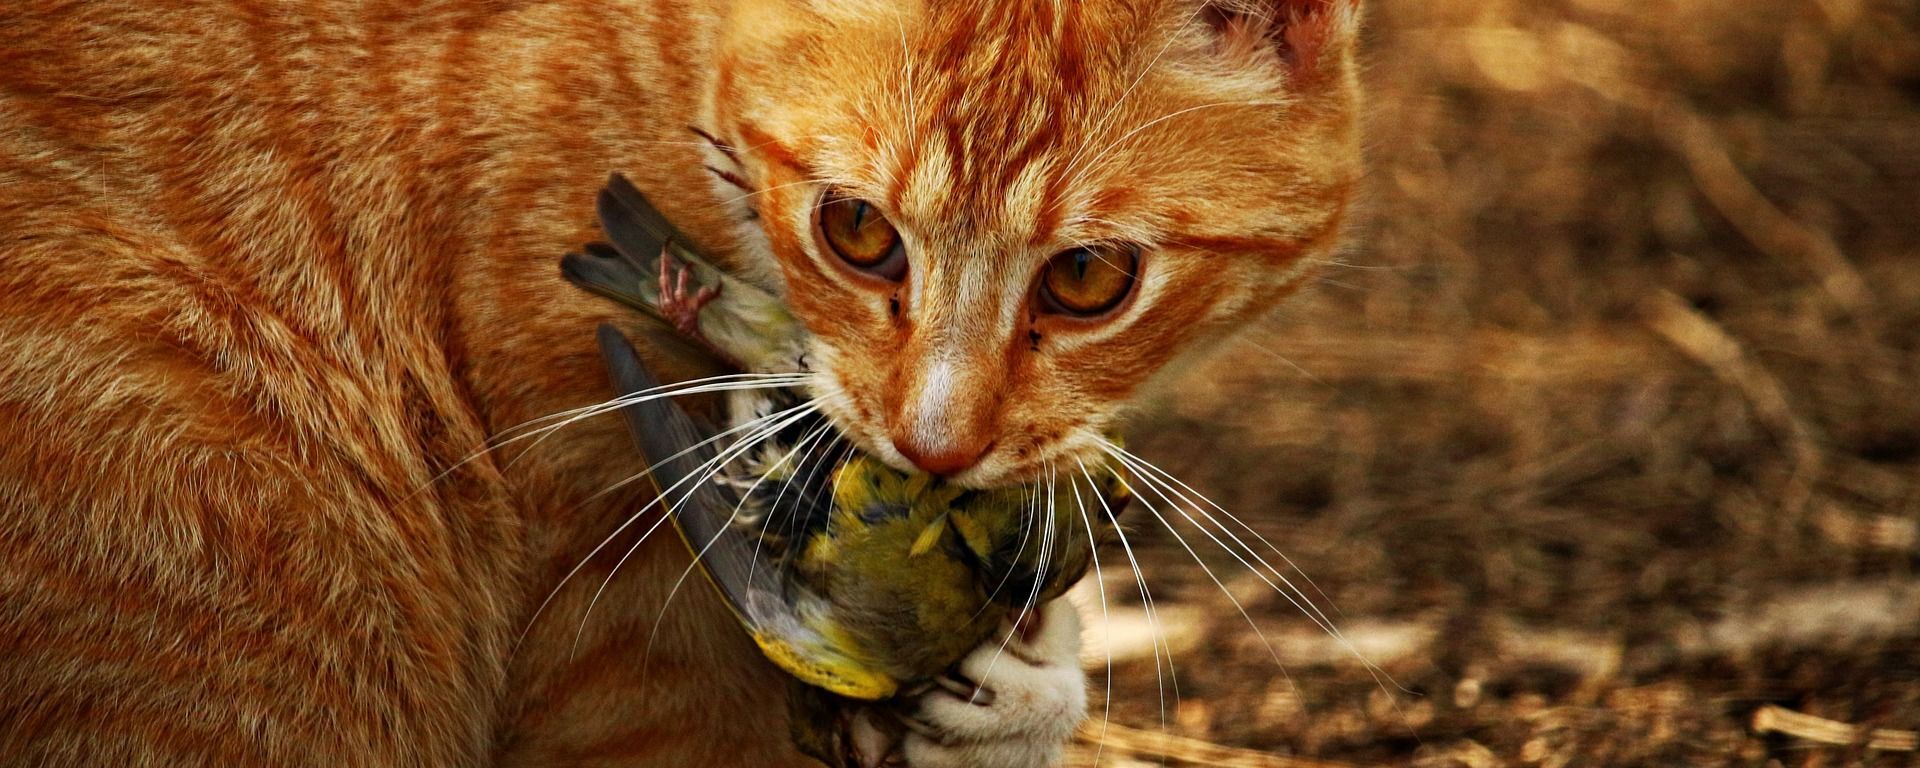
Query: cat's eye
pixel 1088 281
pixel 862 237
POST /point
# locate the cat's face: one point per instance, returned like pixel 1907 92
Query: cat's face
pixel 1000 217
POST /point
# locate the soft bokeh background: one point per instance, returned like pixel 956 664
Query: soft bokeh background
pixel 1604 439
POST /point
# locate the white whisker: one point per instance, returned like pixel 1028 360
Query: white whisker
pixel 1162 479
pixel 765 190
pixel 1176 113
pixel 636 516
pixel 705 473
pixel 641 397
pixel 1101 125
pixel 832 443
pixel 1255 626
pixel 1283 358
pixel 1146 601
pixel 1026 531
pixel 1153 477
pixel 508 436
pixel 1033 595
pixel 1106 619
pixel 684 573
pixel 809 441
pixel 770 379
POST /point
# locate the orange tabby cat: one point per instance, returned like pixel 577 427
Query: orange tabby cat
pixel 268 269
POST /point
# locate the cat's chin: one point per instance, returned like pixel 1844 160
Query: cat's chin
pixel 984 476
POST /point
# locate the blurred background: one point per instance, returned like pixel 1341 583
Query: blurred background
pixel 1602 441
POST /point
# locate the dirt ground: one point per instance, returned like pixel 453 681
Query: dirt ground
pixel 1602 441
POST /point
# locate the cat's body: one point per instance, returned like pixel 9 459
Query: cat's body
pixel 266 271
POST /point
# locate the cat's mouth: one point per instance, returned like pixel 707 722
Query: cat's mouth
pixel 1011 459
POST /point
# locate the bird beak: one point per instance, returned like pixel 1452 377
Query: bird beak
pixel 703 513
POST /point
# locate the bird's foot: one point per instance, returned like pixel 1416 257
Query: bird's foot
pixel 1014 704
pixel 680 304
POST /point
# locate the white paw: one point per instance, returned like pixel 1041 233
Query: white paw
pixel 1031 696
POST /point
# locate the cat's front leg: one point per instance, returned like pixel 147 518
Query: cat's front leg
pixel 1032 695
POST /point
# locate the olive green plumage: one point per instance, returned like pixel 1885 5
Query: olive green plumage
pixel 919 572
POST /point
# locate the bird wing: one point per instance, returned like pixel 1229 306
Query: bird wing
pixel 784 622
pixel 628 270
pixel 602 270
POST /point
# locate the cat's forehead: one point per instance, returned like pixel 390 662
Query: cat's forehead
pixel 996 100
pixel 1022 127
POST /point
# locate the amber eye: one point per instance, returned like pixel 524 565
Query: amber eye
pixel 1088 281
pixel 860 234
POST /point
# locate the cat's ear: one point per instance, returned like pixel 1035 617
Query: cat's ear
pixel 1314 39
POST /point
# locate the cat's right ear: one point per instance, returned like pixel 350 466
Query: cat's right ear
pixel 1313 39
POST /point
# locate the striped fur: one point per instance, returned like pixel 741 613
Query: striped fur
pixel 267 269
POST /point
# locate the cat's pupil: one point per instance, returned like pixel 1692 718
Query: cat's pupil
pixel 1080 261
pixel 859 214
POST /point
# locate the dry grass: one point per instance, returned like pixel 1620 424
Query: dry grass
pixel 1609 438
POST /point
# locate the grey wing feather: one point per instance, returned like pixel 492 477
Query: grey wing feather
pixel 670 438
pixel 628 271
pixel 637 228
pixel 603 271
pixel 746 321
pixel 640 232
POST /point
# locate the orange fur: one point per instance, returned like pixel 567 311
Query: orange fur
pixel 268 271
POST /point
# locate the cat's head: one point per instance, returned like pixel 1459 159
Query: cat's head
pixel 1001 217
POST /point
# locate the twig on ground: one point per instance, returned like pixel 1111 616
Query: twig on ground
pixel 1757 218
pixel 1774 719
pixel 1700 338
pixel 1134 741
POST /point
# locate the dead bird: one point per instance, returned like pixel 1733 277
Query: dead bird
pixel 859 580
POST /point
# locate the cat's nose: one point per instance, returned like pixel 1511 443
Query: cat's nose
pixel 942 458
pixel 942 419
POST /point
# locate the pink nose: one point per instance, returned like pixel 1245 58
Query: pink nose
pixel 946 459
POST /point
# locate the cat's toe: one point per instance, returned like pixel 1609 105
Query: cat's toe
pixel 1030 696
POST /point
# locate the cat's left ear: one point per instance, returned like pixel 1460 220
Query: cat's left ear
pixel 1314 39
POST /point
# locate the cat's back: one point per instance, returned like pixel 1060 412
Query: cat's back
pixel 239 243
pixel 289 208
pixel 339 165
pixel 184 338
pixel 218 221
pixel 199 166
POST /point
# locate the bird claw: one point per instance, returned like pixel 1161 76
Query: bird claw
pixel 680 305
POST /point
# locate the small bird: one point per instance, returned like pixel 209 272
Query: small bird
pixel 893 578
pixel 861 581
